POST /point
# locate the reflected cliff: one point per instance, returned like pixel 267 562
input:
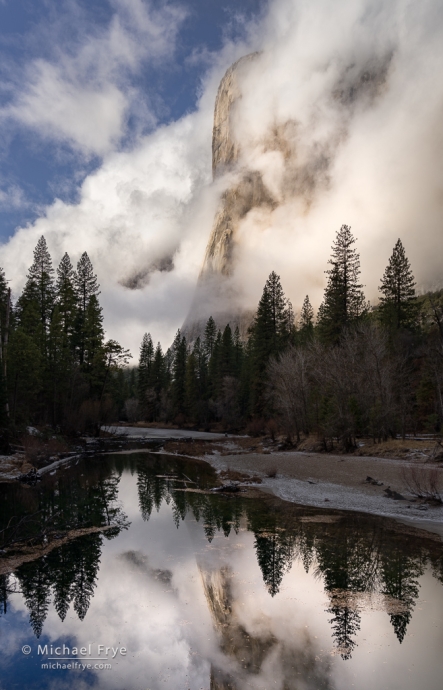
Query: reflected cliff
pixel 359 563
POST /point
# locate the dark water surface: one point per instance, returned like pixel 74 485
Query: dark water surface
pixel 209 591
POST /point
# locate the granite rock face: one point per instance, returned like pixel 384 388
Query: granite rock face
pixel 214 294
pixel 247 192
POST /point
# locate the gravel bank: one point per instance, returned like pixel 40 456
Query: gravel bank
pixel 335 481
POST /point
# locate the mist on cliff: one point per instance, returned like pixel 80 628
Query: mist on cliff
pixel 354 90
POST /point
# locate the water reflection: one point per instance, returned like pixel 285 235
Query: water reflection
pixel 355 556
pixel 72 503
pixel 363 563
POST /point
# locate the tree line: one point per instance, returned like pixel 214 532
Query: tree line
pixel 57 368
pixel 353 370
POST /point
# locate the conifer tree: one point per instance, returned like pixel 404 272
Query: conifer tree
pixel 191 387
pixel 344 301
pixel 270 332
pixel 59 366
pixel 179 374
pixel 41 274
pixel 271 326
pixel 227 353
pixel 398 301
pixel 214 368
pixel 159 376
pixel 210 336
pixel 25 364
pixel 85 281
pixel 238 352
pixel 93 341
pixel 66 296
pixel 145 371
pixel 201 370
pixel 306 322
pixel 36 302
pixel 86 287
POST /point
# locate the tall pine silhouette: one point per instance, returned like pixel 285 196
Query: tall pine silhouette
pixel 398 304
pixel 343 302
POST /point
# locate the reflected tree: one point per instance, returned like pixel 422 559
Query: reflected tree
pixel 63 566
pixel 35 582
pixel 400 573
pixel 4 590
pixel 275 552
pixel 345 624
pixel 88 551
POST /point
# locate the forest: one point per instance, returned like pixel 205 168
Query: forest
pixel 352 370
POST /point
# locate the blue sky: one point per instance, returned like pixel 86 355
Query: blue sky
pixel 37 167
pixel 106 115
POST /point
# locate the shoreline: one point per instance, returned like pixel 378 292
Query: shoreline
pixel 319 480
pixel 336 482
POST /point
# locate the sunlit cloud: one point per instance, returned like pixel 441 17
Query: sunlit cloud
pixel 82 96
pixel 355 87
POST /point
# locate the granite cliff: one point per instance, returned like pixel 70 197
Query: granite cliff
pixel 214 293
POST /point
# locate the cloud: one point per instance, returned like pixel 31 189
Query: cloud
pixel 353 91
pixel 11 197
pixel 143 210
pixel 82 95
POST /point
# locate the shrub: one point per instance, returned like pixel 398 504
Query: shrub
pixel 423 482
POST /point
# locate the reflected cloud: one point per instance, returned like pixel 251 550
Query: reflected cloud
pixel 222 592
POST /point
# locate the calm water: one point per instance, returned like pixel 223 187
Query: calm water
pixel 206 591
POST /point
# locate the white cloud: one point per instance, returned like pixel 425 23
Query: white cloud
pixel 88 117
pixel 82 96
pixel 359 80
pixel 11 197
pixel 142 209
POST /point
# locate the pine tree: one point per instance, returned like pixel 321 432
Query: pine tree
pixel 59 366
pixel 202 375
pixel 179 374
pixel 270 332
pixel 344 301
pixel 35 305
pixel 145 372
pixel 214 378
pixel 238 353
pixel 85 281
pixel 191 387
pixel 398 301
pixel 66 296
pixel 268 335
pixel 306 322
pixel 210 336
pixel 41 273
pixel 86 287
pixel 275 317
pixel 158 369
pixel 93 334
pixel 227 354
